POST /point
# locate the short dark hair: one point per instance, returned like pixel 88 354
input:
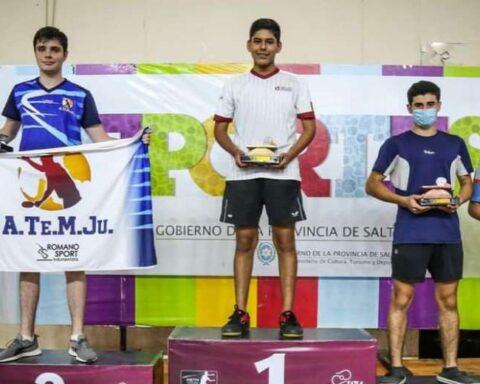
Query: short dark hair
pixel 269 24
pixel 50 33
pixel 422 88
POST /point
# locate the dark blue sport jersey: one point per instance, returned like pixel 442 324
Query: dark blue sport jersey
pixel 412 161
pixel 53 117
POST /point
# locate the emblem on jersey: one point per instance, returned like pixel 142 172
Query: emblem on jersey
pixel 283 88
pixel 67 104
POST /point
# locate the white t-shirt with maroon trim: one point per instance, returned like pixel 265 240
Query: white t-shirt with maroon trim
pixel 264 107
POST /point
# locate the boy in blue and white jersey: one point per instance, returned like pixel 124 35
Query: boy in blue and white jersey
pixel 52 112
pixel 425 237
pixel 51 117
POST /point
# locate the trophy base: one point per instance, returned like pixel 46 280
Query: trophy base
pixel 261 160
pixel 5 148
pixel 425 202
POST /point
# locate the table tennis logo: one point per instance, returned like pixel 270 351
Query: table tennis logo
pixel 54 186
pixel 199 377
pixel 344 377
pixel 67 104
pixel 266 253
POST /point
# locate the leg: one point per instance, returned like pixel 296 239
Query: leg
pixel 76 297
pixel 283 237
pixel 448 320
pixel 29 294
pixel 402 296
pixel 246 241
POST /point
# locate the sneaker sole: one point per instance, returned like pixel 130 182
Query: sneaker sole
pixel 291 335
pixel 441 379
pixel 72 353
pixel 234 334
pixel 35 352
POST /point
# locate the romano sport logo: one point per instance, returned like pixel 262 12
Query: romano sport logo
pixel 54 184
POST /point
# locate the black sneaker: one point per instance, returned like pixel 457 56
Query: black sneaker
pixel 290 328
pixel 238 324
pixel 454 376
pixel 395 375
pixel 19 348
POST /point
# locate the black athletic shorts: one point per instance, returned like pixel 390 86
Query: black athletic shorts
pixel 243 202
pixel 410 262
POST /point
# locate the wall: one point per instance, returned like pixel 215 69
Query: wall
pixel 215 31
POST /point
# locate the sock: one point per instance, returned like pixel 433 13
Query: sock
pixel 75 337
pixel 27 338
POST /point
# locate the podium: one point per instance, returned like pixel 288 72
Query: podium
pixel 57 367
pixel 327 356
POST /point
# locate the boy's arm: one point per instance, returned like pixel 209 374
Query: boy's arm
pixel 224 140
pixel 376 188
pixel 309 128
pixel 10 129
pixel 97 133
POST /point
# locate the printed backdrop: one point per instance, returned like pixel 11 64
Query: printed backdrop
pixel 344 246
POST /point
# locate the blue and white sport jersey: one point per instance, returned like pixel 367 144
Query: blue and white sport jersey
pixel 412 161
pixel 476 186
pixel 53 117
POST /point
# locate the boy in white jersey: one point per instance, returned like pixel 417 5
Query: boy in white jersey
pixel 264 104
pixel 50 125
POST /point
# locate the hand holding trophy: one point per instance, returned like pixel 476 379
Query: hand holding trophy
pixel 438 194
pixel 262 154
pixel 3 144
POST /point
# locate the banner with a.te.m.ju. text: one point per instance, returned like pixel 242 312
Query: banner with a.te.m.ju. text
pixel 84 207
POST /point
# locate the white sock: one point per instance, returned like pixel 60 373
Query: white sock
pixel 27 338
pixel 75 337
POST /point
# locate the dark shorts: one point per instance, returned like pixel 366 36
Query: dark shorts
pixel 243 202
pixel 410 262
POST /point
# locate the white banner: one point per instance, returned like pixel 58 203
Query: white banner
pixel 83 208
pixel 346 232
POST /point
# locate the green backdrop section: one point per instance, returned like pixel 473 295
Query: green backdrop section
pixel 170 69
pixel 192 151
pixel 461 71
pixel 468 303
pixel 164 301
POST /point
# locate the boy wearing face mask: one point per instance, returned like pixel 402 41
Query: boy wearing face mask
pixel 425 237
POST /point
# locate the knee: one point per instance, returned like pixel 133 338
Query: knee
pixel 73 276
pixel 401 300
pixel 246 243
pixel 447 302
pixel 30 277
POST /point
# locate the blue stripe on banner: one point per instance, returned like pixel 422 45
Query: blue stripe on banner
pixel 53 307
pixel 351 69
pixel 348 302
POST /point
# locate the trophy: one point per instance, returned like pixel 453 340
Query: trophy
pixel 3 144
pixel 438 194
pixel 262 154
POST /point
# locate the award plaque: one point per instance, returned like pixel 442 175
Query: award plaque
pixel 261 155
pixel 438 195
pixel 3 144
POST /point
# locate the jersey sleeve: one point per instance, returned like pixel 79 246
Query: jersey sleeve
pixel 387 156
pixel 464 166
pixel 10 110
pixel 90 114
pixel 303 104
pixel 225 106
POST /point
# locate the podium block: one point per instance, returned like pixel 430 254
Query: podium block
pixel 323 356
pixel 57 367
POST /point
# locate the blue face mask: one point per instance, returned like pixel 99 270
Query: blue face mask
pixel 425 118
